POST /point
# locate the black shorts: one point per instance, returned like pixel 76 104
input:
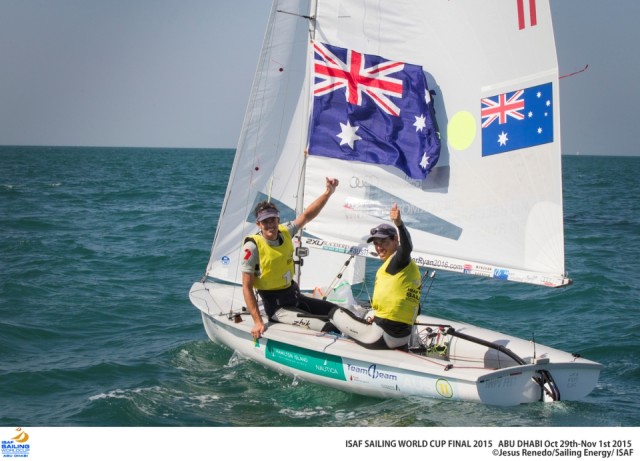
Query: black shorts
pixel 393 328
pixel 291 297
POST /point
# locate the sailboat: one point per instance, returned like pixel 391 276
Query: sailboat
pixel 356 90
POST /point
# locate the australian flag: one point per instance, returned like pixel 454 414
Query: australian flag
pixel 516 120
pixel 373 110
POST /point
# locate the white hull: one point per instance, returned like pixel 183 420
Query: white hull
pixel 465 371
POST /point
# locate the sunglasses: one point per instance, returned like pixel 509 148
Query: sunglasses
pixel 383 231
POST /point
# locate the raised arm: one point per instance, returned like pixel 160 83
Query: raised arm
pixel 317 205
pixel 402 256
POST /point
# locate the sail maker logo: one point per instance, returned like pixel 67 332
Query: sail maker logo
pixel 16 446
pixel 336 247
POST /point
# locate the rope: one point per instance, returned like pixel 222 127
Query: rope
pixel 574 73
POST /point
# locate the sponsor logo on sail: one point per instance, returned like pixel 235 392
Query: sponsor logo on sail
pixel 502 274
pixel 337 247
pixel 358 182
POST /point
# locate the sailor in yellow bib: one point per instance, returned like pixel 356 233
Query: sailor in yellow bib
pixel 267 267
pixel 396 294
pixel 275 270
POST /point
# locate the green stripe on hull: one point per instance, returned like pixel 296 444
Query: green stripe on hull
pixel 317 363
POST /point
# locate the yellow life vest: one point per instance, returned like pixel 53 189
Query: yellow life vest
pixel 276 263
pixel 397 297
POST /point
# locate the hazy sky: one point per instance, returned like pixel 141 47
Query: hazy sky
pixel 177 73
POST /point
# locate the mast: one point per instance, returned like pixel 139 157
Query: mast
pixel 307 88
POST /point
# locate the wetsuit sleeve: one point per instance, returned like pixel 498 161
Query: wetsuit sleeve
pixel 402 257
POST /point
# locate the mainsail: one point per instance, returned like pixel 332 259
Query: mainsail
pixel 491 206
pixel 497 214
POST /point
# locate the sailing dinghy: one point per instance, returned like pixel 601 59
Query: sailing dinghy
pixel 356 89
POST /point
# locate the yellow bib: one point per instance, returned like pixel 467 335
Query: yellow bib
pixel 397 297
pixel 276 263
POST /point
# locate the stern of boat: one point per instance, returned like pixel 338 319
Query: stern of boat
pixel 517 371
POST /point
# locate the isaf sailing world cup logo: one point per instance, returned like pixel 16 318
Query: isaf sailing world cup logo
pixel 17 446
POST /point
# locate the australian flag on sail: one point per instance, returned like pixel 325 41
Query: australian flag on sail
pixel 373 110
pixel 516 120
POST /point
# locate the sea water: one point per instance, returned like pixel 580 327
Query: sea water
pixel 99 247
